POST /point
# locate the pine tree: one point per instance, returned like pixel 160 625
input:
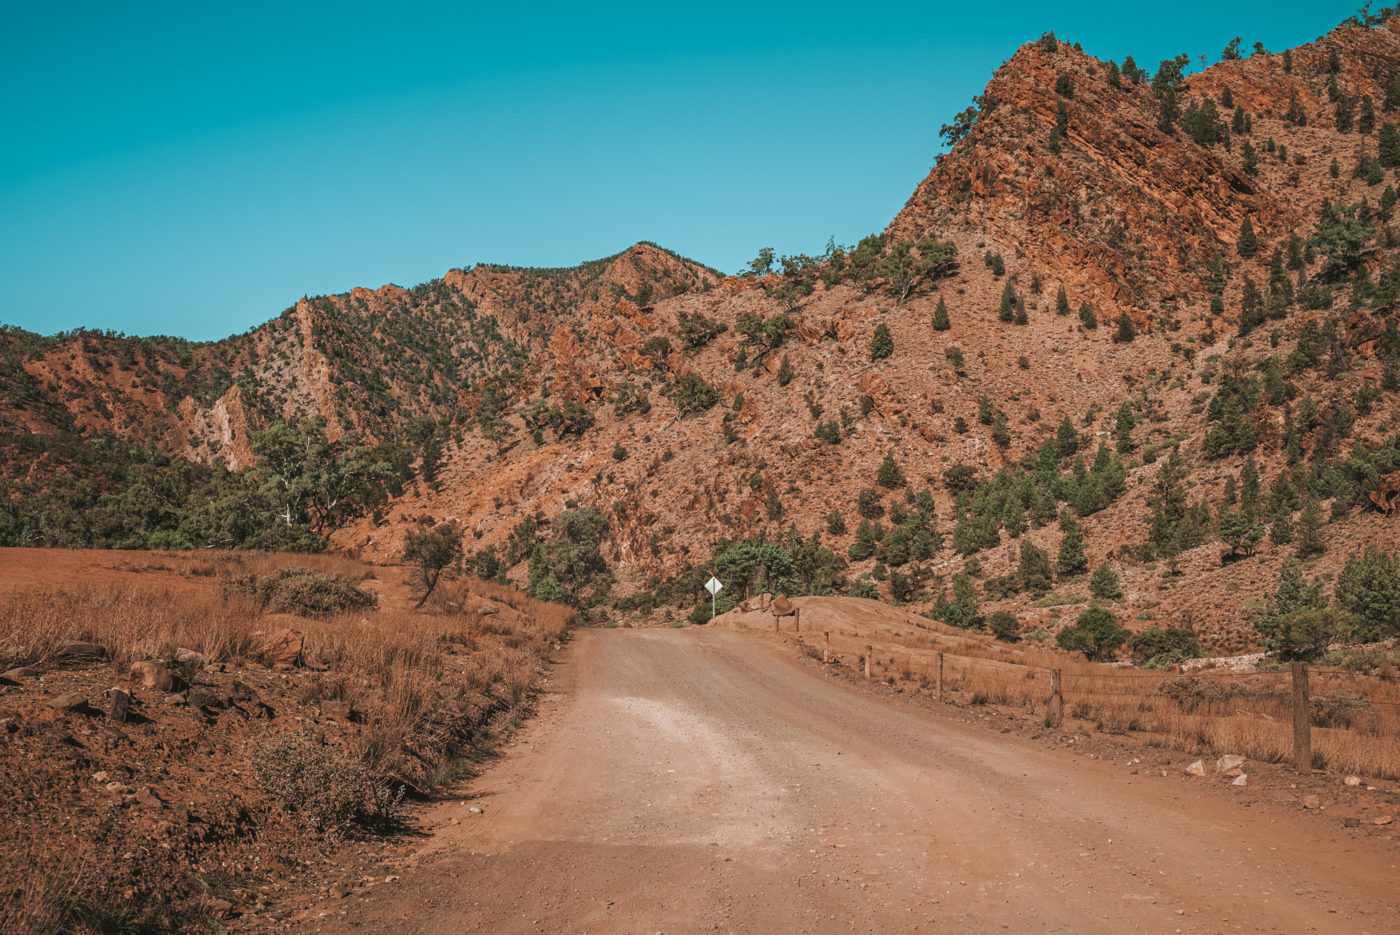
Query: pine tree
pixel 1310 529
pixel 1066 438
pixel 1034 568
pixel 940 316
pixel 1389 146
pixel 1061 301
pixel 1248 244
pixel 1008 304
pixel 1123 427
pixel 1126 330
pixel 881 343
pixel 1087 316
pixel 1071 560
pixel 1104 583
pixel 889 476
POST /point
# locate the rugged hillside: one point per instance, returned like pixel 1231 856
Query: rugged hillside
pixel 366 362
pixel 1163 286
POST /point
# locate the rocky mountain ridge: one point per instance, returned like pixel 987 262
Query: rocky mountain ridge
pixel 1102 226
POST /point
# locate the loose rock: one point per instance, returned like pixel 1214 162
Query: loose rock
pixel 1197 768
pixel 1311 801
pixel 72 701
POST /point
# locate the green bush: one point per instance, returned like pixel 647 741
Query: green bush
pixel 1369 589
pixel 692 394
pixel 866 589
pixel 1096 633
pixel 1162 646
pixel 1104 583
pixel 1004 626
pixel 881 343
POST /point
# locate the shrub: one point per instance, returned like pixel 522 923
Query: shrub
pixel 889 475
pixel 829 432
pixel 1087 316
pixel 323 785
pixel 1104 583
pixel 1096 633
pixel 1162 646
pixel 1369 589
pixel 868 504
pixel 940 316
pixel 881 343
pixel 1126 331
pixel 304 591
pixel 692 394
pixel 430 551
pixel 1306 634
pixel 1004 626
pixel 866 589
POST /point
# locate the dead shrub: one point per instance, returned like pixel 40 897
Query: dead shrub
pixel 304 591
pixel 323 786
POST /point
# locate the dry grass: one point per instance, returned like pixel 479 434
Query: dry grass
pixel 422 704
pixel 1356 718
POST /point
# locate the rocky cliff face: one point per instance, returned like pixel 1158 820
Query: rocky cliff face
pixel 1071 201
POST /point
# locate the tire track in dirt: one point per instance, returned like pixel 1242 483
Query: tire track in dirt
pixel 693 780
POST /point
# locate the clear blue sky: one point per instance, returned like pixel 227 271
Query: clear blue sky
pixel 194 168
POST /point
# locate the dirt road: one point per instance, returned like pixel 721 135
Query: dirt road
pixel 698 781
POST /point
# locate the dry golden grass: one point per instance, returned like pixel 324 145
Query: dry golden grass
pixel 421 703
pixel 1356 717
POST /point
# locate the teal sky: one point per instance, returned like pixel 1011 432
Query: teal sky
pixel 190 169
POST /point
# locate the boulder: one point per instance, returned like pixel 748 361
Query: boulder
pixel 72 701
pixel 1228 762
pixel 281 648
pixel 782 607
pixel 1197 768
pixel 18 674
pixel 155 676
pixel 118 704
pixel 190 657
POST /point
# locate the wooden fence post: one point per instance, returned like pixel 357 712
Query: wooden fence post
pixel 868 649
pixel 1302 721
pixel 939 696
pixel 797 619
pixel 826 650
pixel 1055 713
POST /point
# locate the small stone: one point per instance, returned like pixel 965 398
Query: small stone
pixel 1197 768
pixel 1240 780
pixel 339 891
pixel 477 810
pixel 176 698
pixel 18 674
pixel 101 776
pixel 1228 762
pixel 154 675
pixel 72 701
pixel 1352 781
pixel 219 908
pixel 146 796
pixel 1311 801
pixel 118 705
pixel 190 657
pixel 1382 819
pixel 1351 821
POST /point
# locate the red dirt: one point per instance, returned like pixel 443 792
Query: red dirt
pixel 687 781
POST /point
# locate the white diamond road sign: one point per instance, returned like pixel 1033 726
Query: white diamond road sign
pixel 713 585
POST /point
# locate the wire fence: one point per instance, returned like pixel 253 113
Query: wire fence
pixel 1311 716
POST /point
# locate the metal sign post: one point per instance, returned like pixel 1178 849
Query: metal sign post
pixel 714 587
